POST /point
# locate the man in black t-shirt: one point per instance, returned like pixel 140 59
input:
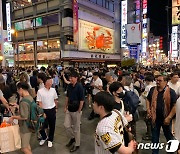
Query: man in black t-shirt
pixel 73 107
pixel 161 109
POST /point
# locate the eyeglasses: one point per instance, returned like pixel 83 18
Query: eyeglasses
pixel 159 80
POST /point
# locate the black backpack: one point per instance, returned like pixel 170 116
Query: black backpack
pixel 132 101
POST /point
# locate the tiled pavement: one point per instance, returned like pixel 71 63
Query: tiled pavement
pixel 87 134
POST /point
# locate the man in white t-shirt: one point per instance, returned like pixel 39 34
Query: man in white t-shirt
pixel 47 98
pixel 174 82
pixel 97 87
pixel 109 131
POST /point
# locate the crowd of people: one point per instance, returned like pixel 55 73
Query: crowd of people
pixel 117 96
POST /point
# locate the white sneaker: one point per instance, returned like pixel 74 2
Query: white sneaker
pixel 50 144
pixel 42 142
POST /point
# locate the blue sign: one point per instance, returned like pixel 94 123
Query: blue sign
pixel 133 51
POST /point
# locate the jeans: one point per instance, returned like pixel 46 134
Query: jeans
pixel 156 133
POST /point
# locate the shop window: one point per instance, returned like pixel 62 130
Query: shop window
pixel 42 45
pixel 68 13
pixel 29 46
pixel 21 48
pixel 53 44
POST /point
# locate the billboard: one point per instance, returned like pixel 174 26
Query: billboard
pixel 175 12
pixel 8 19
pixel 93 37
pixel 123 23
pixel 144 29
pixel 174 38
pixel 75 22
pixel 133 33
pixel 133 49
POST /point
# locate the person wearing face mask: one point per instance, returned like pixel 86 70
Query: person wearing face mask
pixel 116 89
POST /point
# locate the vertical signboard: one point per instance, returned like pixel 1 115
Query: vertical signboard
pixel 144 28
pixel 133 51
pixel 174 38
pixel 123 23
pixel 75 22
pixel 8 18
pixel 175 12
pixel 138 11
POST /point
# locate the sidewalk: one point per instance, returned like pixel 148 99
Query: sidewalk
pixel 87 135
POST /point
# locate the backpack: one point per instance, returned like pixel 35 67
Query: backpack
pixel 36 119
pixel 132 101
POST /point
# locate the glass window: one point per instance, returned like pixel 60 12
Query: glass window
pixel 52 19
pixel 28 24
pixel 18 26
pixel 53 44
pixel 28 46
pixel 21 48
pixel 100 2
pixel 68 12
pixel 94 1
pixel 104 3
pixel 111 6
pixel 107 4
pixel 42 45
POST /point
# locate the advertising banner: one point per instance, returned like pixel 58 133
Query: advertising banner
pixel 93 37
pixel 175 12
pixel 123 23
pixel 133 33
pixel 48 56
pixel 133 51
pixel 75 22
pixel 174 38
pixel 8 19
pixel 144 29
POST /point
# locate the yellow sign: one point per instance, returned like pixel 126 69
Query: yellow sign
pixel 175 12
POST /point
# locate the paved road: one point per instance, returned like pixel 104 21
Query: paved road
pixel 87 135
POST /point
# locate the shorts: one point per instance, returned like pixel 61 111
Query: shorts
pixel 25 139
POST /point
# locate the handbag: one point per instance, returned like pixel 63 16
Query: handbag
pixel 73 106
pixel 128 136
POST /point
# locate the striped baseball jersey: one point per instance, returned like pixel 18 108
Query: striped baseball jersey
pixel 109 134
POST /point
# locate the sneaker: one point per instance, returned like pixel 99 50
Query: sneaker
pixel 42 142
pixel 50 144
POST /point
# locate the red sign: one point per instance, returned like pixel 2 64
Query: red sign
pixel 144 4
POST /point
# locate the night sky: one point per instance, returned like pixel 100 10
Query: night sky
pixel 158 19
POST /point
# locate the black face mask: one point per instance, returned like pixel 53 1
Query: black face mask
pixel 121 95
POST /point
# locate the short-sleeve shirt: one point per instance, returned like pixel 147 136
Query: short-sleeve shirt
pixel 24 111
pixel 98 82
pixel 109 134
pixel 47 97
pixel 160 101
pixel 76 92
pixel 1 94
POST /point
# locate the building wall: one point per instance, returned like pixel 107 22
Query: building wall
pixel 40 29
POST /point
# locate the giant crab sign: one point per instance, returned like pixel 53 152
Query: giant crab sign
pixel 99 39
